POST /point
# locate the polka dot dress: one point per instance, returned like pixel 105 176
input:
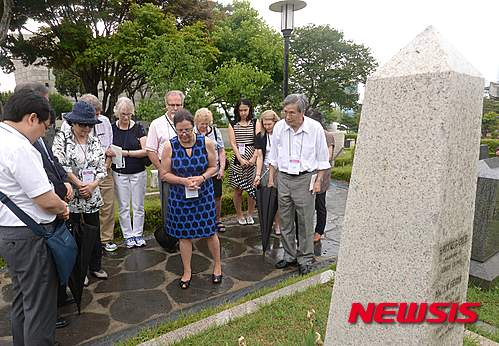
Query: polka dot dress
pixel 190 217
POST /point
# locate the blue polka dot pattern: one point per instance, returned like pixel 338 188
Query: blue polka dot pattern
pixel 193 217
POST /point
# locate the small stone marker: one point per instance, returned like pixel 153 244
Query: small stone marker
pixel 153 182
pixel 409 214
pixel 484 268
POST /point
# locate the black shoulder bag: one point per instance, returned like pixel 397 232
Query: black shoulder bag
pixel 61 243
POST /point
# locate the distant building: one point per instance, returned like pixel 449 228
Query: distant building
pixel 494 90
pixel 34 73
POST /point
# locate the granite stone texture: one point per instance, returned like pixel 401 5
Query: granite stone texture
pixel 409 214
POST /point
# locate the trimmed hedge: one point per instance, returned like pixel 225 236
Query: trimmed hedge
pixel 493 144
pixel 342 173
pixel 351 136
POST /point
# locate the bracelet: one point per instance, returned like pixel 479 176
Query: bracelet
pixel 204 179
pixel 128 153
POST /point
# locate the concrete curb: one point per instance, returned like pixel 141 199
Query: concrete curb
pixel 237 311
pixel 481 339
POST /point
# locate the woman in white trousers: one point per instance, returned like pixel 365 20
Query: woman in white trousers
pixel 130 175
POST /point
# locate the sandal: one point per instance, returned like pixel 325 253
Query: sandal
pixel 184 284
pixel 216 279
pixel 220 227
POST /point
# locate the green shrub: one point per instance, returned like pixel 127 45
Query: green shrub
pixel 345 158
pixel 60 104
pixel 493 144
pixel 351 136
pixel 342 173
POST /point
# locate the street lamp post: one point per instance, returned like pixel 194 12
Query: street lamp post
pixel 287 9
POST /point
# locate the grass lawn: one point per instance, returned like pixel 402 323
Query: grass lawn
pixel 284 322
pixel 488 311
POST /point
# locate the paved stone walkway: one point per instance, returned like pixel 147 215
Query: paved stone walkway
pixel 143 285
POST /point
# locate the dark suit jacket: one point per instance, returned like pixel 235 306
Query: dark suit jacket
pixel 55 172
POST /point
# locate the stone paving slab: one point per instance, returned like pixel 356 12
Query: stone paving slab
pixel 143 289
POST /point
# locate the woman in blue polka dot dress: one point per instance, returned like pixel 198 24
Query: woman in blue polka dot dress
pixel 188 163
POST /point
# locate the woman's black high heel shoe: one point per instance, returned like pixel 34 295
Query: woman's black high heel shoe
pixel 216 279
pixel 184 284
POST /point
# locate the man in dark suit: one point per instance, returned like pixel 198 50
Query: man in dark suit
pixel 57 176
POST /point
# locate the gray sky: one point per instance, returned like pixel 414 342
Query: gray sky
pixel 386 26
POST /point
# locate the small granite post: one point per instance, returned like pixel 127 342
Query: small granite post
pixel 409 215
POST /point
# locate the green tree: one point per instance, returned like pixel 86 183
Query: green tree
pixel 249 48
pixel 99 42
pixel 490 105
pixel 327 68
pixel 68 83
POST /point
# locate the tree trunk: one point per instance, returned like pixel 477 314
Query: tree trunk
pixel 5 21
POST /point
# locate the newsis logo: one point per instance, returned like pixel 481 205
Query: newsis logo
pixel 414 313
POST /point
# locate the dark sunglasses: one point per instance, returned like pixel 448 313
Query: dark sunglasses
pixel 85 125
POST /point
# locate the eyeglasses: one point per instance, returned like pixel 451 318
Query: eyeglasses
pixel 174 105
pixel 187 131
pixel 91 126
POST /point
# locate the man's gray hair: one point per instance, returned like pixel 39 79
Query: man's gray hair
pixel 93 101
pixel 300 100
pixel 122 103
pixel 36 87
pixel 175 92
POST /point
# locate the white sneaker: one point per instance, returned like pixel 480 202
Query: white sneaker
pixel 249 220
pixel 85 283
pixel 101 274
pixel 242 221
pixel 110 246
pixel 140 241
pixel 130 242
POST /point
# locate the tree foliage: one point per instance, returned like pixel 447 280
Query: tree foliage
pixel 99 43
pixel 327 68
pixel 490 105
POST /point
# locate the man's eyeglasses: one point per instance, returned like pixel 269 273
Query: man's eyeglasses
pixel 91 126
pixel 174 105
pixel 187 131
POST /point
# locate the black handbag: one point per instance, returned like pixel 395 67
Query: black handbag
pixel 166 241
pixel 61 243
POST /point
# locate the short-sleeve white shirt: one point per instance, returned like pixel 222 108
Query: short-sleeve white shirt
pixel 22 177
pixel 307 144
pixel 161 131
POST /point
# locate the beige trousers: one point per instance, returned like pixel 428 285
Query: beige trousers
pixel 106 212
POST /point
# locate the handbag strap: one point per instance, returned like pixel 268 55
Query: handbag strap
pixel 36 228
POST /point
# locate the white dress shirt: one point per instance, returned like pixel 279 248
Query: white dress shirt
pixel 22 177
pixel 307 145
pixel 161 131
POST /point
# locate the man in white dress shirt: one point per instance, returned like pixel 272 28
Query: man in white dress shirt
pixel 299 153
pixel 161 131
pixel 23 179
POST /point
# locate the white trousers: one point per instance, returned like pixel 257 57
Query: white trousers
pixel 134 186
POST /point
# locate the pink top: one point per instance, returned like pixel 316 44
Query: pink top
pixel 161 130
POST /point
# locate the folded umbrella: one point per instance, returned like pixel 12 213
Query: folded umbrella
pixel 266 198
pixel 85 236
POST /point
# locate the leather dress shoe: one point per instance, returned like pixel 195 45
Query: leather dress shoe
pixel 304 269
pixel 283 264
pixel 61 322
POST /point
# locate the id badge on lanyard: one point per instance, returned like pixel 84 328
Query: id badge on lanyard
pixel 242 148
pixel 191 193
pixel 294 166
pixel 88 175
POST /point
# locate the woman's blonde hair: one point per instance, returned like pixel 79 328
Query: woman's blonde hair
pixel 203 113
pixel 122 103
pixel 268 115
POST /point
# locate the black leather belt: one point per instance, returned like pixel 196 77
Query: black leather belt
pixel 295 175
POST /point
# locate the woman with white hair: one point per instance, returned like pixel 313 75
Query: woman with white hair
pixel 130 177
pixel 203 119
